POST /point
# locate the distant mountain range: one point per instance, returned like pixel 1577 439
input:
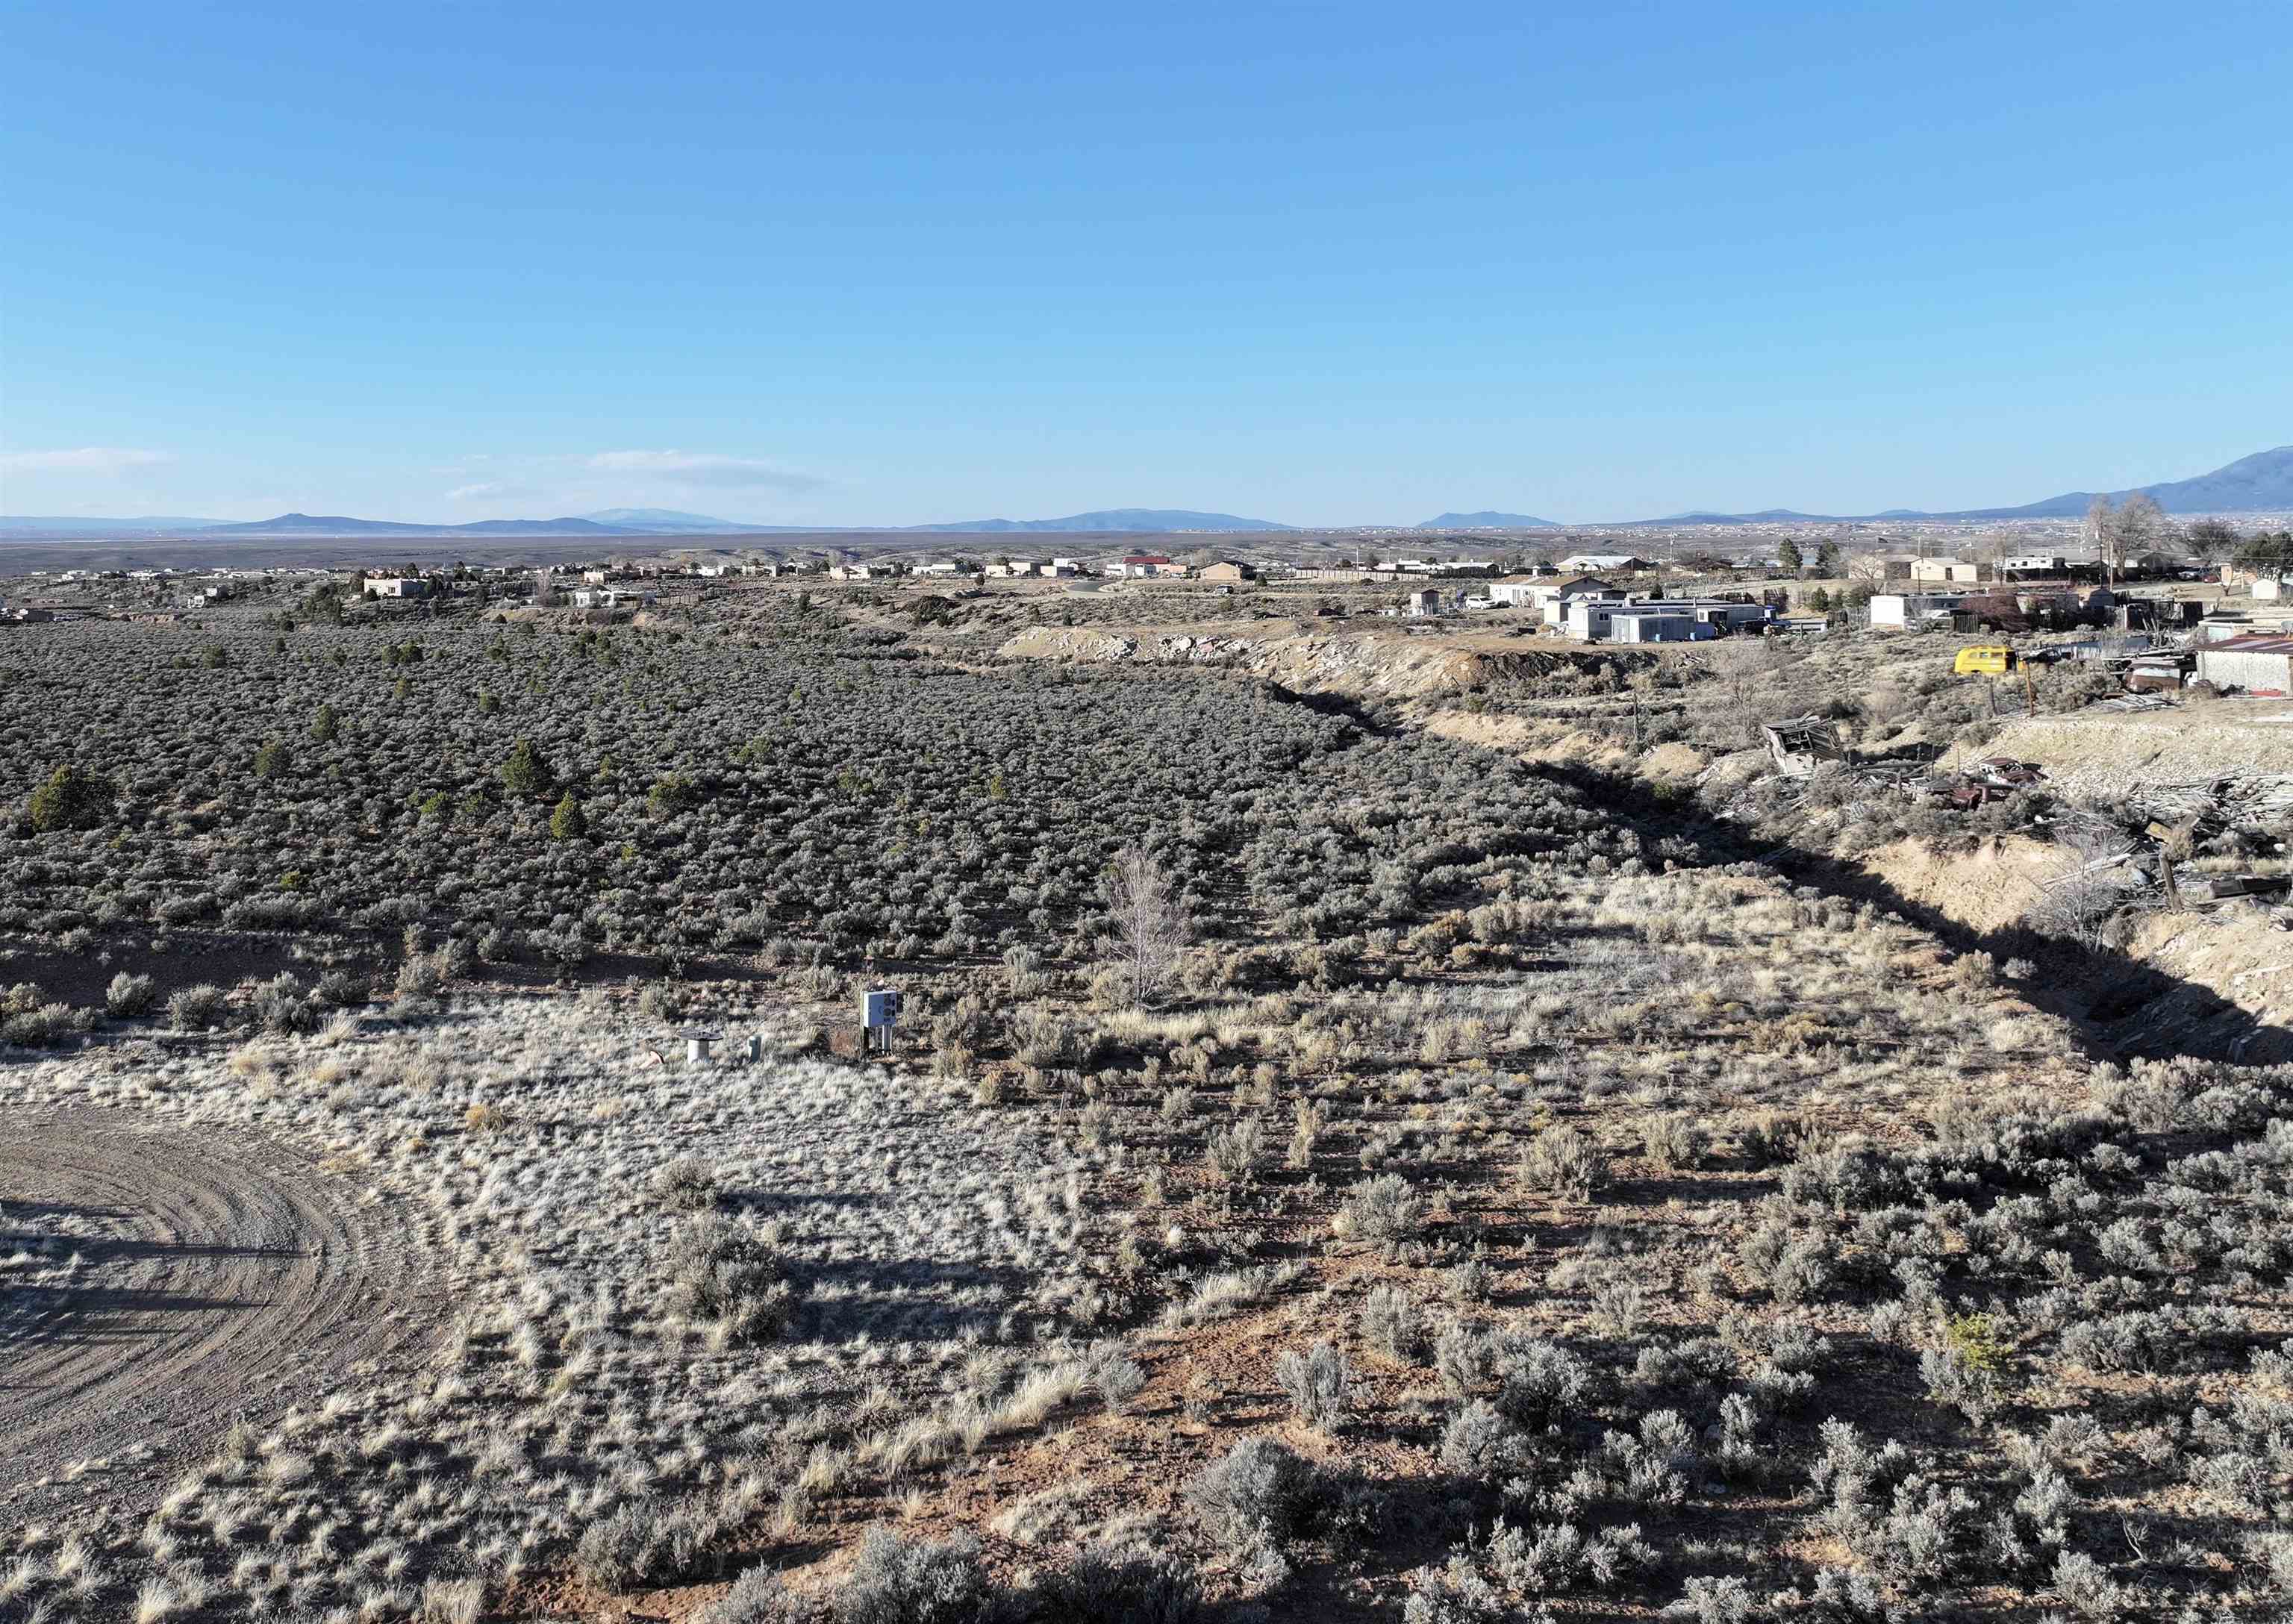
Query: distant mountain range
pixel 336 524
pixel 637 521
pixel 1135 521
pixel 63 525
pixel 1488 522
pixel 2260 484
pixel 667 521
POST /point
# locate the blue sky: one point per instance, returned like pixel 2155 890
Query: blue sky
pixel 1325 265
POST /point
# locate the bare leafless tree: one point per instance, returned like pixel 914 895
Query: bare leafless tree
pixel 2106 536
pixel 2087 892
pixel 1152 926
pixel 2211 539
pixel 2142 527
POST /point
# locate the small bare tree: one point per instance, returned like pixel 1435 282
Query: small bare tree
pixel 2138 526
pixel 2209 539
pixel 2142 527
pixel 1151 925
pixel 2106 536
pixel 2085 894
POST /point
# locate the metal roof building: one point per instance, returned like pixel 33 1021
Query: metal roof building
pixel 2258 663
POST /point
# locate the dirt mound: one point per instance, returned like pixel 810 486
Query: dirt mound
pixel 2114 753
pixel 2236 970
pixel 1987 889
pixel 159 1283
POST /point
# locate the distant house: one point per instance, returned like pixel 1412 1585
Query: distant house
pixel 1901 612
pixel 1138 565
pixel 1945 571
pixel 1227 570
pixel 1655 623
pixel 390 586
pixel 1603 560
pixel 1586 618
pixel 612 597
pixel 1517 590
pixel 1554 597
pixel 1422 604
pixel 943 567
pixel 1603 619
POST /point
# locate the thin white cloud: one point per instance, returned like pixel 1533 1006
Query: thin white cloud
pixel 98 460
pixel 705 470
pixel 485 489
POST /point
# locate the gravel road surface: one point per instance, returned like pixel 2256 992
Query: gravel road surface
pixel 217 1275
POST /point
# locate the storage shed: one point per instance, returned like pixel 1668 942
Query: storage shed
pixel 2258 663
pixel 1631 625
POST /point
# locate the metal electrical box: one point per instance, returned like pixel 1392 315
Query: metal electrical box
pixel 879 1011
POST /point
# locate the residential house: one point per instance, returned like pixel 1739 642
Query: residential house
pixel 613 597
pixel 1149 566
pixel 1552 598
pixel 1591 619
pixel 1945 571
pixel 1656 623
pixel 1227 570
pixel 386 587
pixel 1603 560
pixel 1903 610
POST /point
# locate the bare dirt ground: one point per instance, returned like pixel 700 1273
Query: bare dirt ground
pixel 2104 753
pixel 159 1284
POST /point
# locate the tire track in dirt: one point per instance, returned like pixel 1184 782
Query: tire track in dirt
pixel 220 1275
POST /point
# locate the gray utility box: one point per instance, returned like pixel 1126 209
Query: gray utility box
pixel 879 1012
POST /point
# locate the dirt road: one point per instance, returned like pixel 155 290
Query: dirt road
pixel 161 1279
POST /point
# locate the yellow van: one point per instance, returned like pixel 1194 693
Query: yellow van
pixel 1984 659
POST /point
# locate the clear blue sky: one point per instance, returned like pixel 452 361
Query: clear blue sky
pixel 1319 264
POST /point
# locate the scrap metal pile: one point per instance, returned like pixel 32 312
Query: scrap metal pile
pixel 1803 747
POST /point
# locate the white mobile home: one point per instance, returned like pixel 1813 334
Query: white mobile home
pixel 1653 623
pixel 1899 611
